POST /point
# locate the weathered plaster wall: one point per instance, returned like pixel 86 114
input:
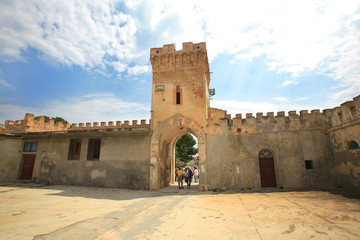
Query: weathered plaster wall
pixel 10 158
pixel 345 127
pixel 123 162
pixel 233 160
pixel 234 146
pixel 347 162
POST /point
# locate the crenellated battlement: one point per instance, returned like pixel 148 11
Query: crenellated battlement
pixel 191 56
pixel 32 124
pixel 170 48
pixel 347 113
pixel 38 124
pixel 110 125
pixel 292 115
pixel 279 122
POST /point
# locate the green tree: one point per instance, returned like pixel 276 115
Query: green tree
pixel 59 119
pixel 184 149
pixel 56 119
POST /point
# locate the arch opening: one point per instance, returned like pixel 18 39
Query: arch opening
pixel 186 157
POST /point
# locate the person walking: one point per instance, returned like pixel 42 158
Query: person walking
pixel 179 174
pixel 196 175
pixel 189 175
pixel 176 169
pixel 184 174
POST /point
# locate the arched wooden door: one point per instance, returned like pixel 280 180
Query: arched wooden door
pixel 267 169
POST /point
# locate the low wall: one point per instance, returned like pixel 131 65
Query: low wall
pixel 123 161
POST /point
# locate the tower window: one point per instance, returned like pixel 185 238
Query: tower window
pixel 178 95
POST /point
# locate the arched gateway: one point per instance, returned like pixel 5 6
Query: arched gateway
pixel 163 150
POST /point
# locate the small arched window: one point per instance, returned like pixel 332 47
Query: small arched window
pixel 353 145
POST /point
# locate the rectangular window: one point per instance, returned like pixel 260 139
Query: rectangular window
pixel 30 147
pixel 178 95
pixel 94 149
pixel 74 149
pixel 309 164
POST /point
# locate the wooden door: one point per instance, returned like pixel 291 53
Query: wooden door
pixel 28 166
pixel 267 172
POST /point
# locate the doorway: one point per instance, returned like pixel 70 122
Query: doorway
pixel 267 169
pixel 27 166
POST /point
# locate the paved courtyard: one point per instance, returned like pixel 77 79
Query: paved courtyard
pixel 30 211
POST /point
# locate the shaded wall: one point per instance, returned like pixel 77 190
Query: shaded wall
pixel 10 158
pixel 123 161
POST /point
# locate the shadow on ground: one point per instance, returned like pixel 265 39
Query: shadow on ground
pixel 125 194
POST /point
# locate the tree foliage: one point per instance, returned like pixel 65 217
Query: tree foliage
pixel 56 119
pixel 184 149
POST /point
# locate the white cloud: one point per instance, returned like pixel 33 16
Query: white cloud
pixel 79 32
pixel 137 70
pixel 295 37
pixel 99 107
pixel 286 83
pixel 119 67
pixel 5 84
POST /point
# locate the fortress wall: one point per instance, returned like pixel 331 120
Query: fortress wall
pixel 31 124
pixel 233 159
pixel 123 161
pixel 222 123
pixel 234 145
pixel 345 127
pixel 323 137
pixel 347 114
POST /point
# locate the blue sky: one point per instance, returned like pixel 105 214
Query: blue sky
pixel 88 61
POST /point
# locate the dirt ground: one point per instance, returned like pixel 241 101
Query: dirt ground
pixel 30 211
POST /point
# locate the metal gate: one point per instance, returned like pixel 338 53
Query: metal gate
pixel 27 166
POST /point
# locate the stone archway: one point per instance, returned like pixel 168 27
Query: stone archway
pixel 161 151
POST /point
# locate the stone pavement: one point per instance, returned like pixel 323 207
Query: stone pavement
pixel 30 211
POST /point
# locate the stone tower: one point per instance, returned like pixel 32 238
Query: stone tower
pixel 180 105
pixel 180 82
